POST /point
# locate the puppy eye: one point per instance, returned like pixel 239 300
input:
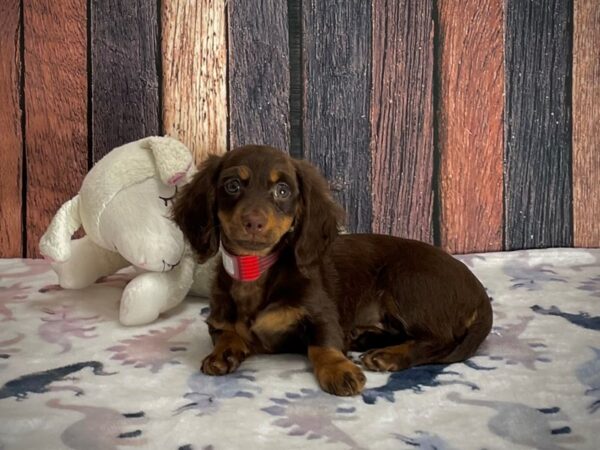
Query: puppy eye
pixel 232 186
pixel 282 190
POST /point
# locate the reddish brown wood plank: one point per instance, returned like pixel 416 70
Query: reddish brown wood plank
pixel 55 104
pixel 11 139
pixel 470 127
pixel 259 80
pixel 194 51
pixel 586 124
pixel 402 118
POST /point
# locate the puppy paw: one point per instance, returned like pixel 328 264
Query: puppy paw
pixel 221 363
pixel 342 378
pixel 382 360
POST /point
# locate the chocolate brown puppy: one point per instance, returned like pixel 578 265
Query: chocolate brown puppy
pixel 289 282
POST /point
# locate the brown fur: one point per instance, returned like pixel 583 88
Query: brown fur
pixel 403 302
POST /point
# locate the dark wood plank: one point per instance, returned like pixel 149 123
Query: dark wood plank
pixel 586 124
pixel 194 63
pixel 55 104
pixel 259 81
pixel 402 118
pixel 538 191
pixel 124 45
pixel 296 78
pixel 470 125
pixel 337 74
pixel 11 136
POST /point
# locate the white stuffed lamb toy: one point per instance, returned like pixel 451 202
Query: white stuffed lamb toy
pixel 124 208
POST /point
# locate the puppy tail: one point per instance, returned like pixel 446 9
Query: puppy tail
pixel 475 334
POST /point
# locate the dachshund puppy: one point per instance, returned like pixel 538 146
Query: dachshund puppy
pixel 289 282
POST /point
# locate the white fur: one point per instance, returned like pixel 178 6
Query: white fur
pixel 127 223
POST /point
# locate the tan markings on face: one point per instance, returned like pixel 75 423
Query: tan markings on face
pixel 278 320
pixel 279 225
pixel 470 321
pixel 273 175
pixel 226 216
pixel 232 226
pixel 226 220
pixel 244 172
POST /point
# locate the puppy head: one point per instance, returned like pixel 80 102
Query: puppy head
pixel 251 198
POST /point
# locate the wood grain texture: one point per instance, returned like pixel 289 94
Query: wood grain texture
pixel 470 125
pixel 538 191
pixel 11 138
pixel 586 124
pixel 259 80
pixel 194 51
pixel 296 78
pixel 55 103
pixel 402 118
pixel 124 46
pixel 337 74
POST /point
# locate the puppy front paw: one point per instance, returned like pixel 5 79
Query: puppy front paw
pixel 342 378
pixel 222 362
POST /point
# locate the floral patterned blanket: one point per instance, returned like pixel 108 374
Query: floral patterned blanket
pixel 72 377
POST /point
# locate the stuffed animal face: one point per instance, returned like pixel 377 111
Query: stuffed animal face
pixel 136 223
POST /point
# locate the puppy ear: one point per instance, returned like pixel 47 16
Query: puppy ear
pixel 195 212
pixel 319 217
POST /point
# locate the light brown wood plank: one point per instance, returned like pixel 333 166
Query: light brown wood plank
pixel 194 50
pixel 56 108
pixel 11 139
pixel 402 118
pixel 470 132
pixel 586 123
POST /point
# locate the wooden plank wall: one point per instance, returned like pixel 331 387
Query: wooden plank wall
pixel 56 101
pixel 538 190
pixel 194 64
pixel 402 106
pixel 337 80
pixel 471 126
pixel 586 124
pixel 259 90
pixel 124 73
pixel 11 134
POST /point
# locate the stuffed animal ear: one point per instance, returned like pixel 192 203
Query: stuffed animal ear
pixel 319 217
pixel 172 158
pixel 194 210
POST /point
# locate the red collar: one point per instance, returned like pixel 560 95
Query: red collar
pixel 247 267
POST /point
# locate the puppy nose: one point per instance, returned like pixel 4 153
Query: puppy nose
pixel 254 222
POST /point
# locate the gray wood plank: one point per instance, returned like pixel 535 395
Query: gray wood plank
pixel 124 72
pixel 538 190
pixel 337 77
pixel 259 81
